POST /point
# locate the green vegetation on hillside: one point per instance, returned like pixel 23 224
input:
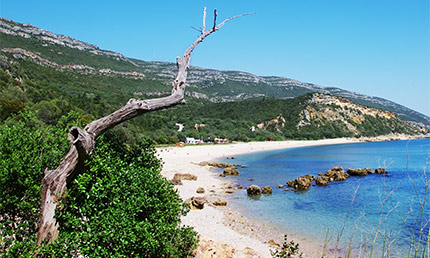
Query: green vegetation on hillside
pixel 51 94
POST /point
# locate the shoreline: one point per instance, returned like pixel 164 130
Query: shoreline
pixel 224 231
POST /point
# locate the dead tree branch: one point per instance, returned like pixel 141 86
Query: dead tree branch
pixel 55 181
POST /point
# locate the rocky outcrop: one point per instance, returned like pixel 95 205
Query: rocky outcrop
pixel 220 203
pixel 310 177
pixel 216 164
pixel 176 181
pixel 231 171
pixel 381 171
pixel 253 190
pixel 266 190
pixel 196 203
pixel 24 54
pixel 359 171
pixel 322 180
pixel 179 176
pixel 336 174
pixel 200 190
pixel 302 183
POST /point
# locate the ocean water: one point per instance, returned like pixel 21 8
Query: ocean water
pixel 377 212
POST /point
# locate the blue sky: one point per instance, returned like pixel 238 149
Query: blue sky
pixel 379 48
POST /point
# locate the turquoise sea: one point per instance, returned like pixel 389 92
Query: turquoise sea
pixel 376 213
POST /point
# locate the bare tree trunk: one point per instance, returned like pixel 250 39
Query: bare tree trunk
pixel 55 181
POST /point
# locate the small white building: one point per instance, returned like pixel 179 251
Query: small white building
pixel 190 140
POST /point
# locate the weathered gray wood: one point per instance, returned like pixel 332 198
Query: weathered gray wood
pixel 55 181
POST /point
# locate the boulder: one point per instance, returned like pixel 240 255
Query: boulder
pixel 369 171
pixel 322 180
pixel 381 171
pixel 220 203
pixel 220 164
pixel 176 181
pixel 253 190
pixel 336 174
pixel 222 175
pixel 320 173
pixel 239 187
pixel 357 172
pixel 200 190
pixel 204 163
pixel 231 171
pixel 185 177
pixel 280 186
pixel 266 190
pixel 290 183
pixel 196 203
pixel 302 183
pixel 310 177
pixel 239 166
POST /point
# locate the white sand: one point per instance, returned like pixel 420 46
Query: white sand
pixel 208 222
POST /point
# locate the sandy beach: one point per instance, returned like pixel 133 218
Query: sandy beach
pixel 224 232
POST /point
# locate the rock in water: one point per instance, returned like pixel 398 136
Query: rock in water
pixel 231 171
pixel 302 183
pixel 369 171
pixel 322 181
pixel 266 190
pixel 310 177
pixel 290 183
pixel 381 171
pixel 357 172
pixel 336 174
pixel 253 190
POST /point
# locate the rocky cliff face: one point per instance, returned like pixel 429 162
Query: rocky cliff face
pixel 26 30
pixel 322 109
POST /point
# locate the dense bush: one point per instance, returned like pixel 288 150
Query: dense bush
pixel 123 206
pixel 26 149
pixel 120 206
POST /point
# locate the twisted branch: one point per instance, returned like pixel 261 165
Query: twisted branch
pixel 55 181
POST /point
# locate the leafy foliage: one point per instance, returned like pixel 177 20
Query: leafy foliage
pixel 121 206
pixel 288 249
pixel 26 149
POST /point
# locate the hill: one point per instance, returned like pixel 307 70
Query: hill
pixel 53 74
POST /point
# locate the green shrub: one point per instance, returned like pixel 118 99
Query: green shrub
pixel 121 206
pixel 26 149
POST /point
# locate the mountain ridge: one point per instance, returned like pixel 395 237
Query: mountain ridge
pixel 208 84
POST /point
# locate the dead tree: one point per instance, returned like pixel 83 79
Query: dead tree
pixel 55 181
